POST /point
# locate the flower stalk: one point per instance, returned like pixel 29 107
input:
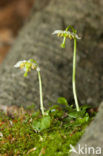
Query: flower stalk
pixel 74 76
pixel 27 66
pixel 71 35
pixel 41 95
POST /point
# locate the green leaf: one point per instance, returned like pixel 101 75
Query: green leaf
pixel 86 117
pixel 42 124
pixel 45 122
pixel 36 125
pixel 36 114
pixel 83 120
pixel 63 101
pixel 74 114
pixel 56 111
pixel 84 107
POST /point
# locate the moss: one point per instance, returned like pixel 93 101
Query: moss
pixel 20 138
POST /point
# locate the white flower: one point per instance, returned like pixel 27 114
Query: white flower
pixel 67 34
pixel 17 65
pixel 27 66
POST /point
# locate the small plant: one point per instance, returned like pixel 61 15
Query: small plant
pixel 27 66
pixel 71 35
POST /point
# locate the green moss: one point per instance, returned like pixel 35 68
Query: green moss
pixel 21 138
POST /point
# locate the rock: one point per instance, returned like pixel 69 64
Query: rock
pixel 35 41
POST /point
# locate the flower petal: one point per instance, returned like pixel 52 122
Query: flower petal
pixel 77 37
pixel 58 31
pixel 17 65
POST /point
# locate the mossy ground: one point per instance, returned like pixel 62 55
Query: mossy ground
pixel 18 137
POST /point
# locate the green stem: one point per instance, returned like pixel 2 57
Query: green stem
pixel 41 96
pixel 73 77
pixel 74 31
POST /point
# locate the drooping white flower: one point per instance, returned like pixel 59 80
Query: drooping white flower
pixel 67 34
pixel 27 66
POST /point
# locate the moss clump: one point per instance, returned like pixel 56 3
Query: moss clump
pixel 21 136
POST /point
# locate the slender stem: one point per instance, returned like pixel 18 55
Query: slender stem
pixel 41 96
pixel 73 77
